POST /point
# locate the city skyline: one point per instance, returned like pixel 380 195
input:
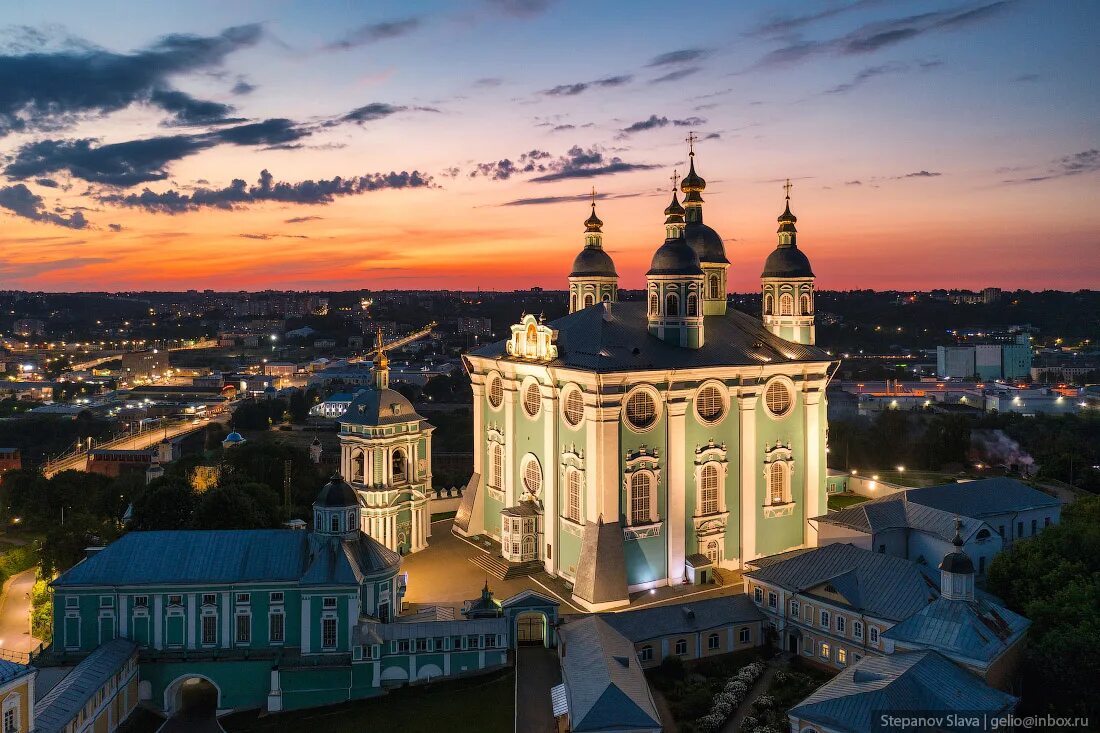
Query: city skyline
pixel 420 146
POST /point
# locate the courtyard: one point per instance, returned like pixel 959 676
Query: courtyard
pixel 444 575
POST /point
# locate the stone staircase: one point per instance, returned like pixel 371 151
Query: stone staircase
pixel 502 570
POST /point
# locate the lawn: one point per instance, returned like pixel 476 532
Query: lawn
pixel 468 705
pixel 843 501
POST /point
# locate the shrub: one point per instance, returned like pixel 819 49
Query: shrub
pixel 764 702
pixel 749 723
pixel 672 667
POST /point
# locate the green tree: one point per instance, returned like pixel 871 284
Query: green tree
pixel 65 544
pixel 167 503
pixel 236 506
pixel 1054 580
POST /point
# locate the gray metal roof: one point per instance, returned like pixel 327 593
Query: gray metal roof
pixel 337 493
pixel 209 557
pixel 978 630
pixel 706 242
pixel 922 681
pixel 613 337
pixel 426 629
pixel 982 498
pixel 373 407
pixel 10 670
pixel 605 580
pixel 593 261
pixel 894 512
pixel 882 586
pixel 54 711
pixel 604 683
pixel 787 260
pixel 683 618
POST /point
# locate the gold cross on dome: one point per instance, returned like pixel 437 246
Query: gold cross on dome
pixel 691 138
pixel 787 187
pixel 674 178
pixel 593 195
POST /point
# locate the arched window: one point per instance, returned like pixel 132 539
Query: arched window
pixel 786 305
pixel 777 483
pixel 573 302
pixel 672 305
pixel 712 287
pixel 496 391
pixel 574 407
pixel 532 340
pixel 532 476
pixel 532 399
pixel 398 465
pixel 318 524
pixel 653 304
pixel 589 299
pixel 709 404
pixel 777 398
pixel 712 551
pixel 607 297
pixel 358 461
pixel 804 305
pixel 641 487
pixel 692 305
pixel 573 501
pixel 335 522
pixel 769 304
pixel 708 490
pixel 496 469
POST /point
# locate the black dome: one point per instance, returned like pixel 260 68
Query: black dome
pixel 336 493
pixel 593 262
pixel 706 242
pixel 675 257
pixel 787 261
pixel 957 562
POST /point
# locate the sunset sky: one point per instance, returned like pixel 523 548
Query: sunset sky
pixel 454 145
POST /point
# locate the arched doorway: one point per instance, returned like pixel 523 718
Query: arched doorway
pixel 531 629
pixel 192 698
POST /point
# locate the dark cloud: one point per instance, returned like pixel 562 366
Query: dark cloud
pixel 265 236
pixel 683 56
pixel 239 193
pixel 21 201
pixel 276 131
pixel 877 35
pixel 581 163
pixel 502 170
pixel 654 122
pixel 520 8
pixel 1025 78
pixel 375 32
pixel 302 219
pixel 489 82
pixel 115 227
pixel 1087 161
pixel 922 174
pixel 676 75
pixel 541 200
pixel 242 87
pixel 190 111
pixel 789 24
pixel 866 75
pixel 562 128
pixel 569 90
pixel 47 182
pixel 371 112
pixel 853 183
pixel 50 90
pixel 117 164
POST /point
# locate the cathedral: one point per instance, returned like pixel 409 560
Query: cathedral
pixel 636 444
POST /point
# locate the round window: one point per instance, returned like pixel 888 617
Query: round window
pixel 641 410
pixel 777 397
pixel 532 477
pixel 709 404
pixel 532 400
pixel 496 391
pixel 574 407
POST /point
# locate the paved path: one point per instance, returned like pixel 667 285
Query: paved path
pixel 15 613
pixel 733 725
pixel 537 671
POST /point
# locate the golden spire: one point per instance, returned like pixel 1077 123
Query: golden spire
pixel 593 223
pixel 381 361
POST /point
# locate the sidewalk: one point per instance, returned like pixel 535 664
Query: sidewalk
pixel 15 613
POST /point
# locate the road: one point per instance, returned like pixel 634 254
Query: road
pixel 15 614
pixel 145 440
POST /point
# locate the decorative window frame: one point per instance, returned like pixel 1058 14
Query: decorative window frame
pixel 494 436
pixel 723 390
pixel 642 462
pixel 524 462
pixel 565 392
pixel 711 454
pixel 572 461
pixel 525 385
pixel 518 347
pixel 658 408
pixel 489 377
pixel 791 388
pixel 779 453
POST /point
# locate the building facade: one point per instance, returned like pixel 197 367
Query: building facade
pixel 613 444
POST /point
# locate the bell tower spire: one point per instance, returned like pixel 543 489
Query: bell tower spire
pixel 705 241
pixel 787 283
pixel 381 364
pixel 674 283
pixel 593 278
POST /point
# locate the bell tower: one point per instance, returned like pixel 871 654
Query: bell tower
pixel 593 278
pixel 706 242
pixel 787 284
pixel 674 284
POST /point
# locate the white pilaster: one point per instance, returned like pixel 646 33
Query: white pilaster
pixel 510 446
pixel 227 620
pixel 676 504
pixel 814 481
pixel 305 625
pixel 749 459
pixel 158 621
pixel 550 480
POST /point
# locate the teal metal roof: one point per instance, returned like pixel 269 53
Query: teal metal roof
pixel 213 557
pixel 922 681
pixel 883 586
pixel 978 630
pixel 681 618
pixel 61 704
pixel 11 670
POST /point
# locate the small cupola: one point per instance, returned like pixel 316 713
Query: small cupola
pixel 336 509
pixel 592 279
pixel 957 570
pixel 674 284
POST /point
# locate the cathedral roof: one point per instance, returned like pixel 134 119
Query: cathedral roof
pixel 593 262
pixel 787 260
pixel 374 407
pixel 336 493
pixel 615 337
pixel 675 257
pixel 706 242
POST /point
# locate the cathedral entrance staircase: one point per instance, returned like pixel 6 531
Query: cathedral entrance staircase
pixel 500 569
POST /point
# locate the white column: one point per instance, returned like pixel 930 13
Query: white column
pixel 813 481
pixel 227 620
pixel 676 481
pixel 750 462
pixel 123 617
pixel 509 447
pixel 550 482
pixel 305 625
pixel 602 480
pixel 478 389
pixel 158 621
pixel 192 612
